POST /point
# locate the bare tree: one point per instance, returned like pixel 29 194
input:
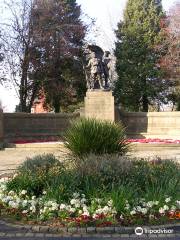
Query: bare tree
pixel 18 50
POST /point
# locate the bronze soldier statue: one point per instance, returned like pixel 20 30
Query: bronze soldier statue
pixel 107 68
pixel 97 67
pixel 96 70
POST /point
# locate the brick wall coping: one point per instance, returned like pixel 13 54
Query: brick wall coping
pixel 40 115
pixel 151 114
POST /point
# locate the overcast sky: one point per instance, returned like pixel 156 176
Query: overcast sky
pixel 107 14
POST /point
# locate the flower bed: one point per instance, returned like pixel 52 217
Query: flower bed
pixel 154 140
pixel 80 211
pixel 145 140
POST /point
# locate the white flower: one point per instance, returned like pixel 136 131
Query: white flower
pixel 24 203
pixel 33 209
pixel 23 192
pixel 83 200
pixel 127 206
pixel 166 207
pixel 150 204
pixel 77 205
pixel 72 210
pixel 167 199
pixel 106 209
pixel 13 204
pixel 99 211
pixel 110 203
pixel 138 208
pixel 151 216
pixel 54 208
pixel 161 211
pixel 144 210
pixel 44 192
pixel 25 211
pixel 85 209
pixel 11 193
pixel 114 211
pixel 173 208
pixel 73 201
pixel 62 207
pixel 76 195
pixel 132 212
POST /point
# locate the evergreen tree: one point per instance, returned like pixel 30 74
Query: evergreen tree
pixel 139 35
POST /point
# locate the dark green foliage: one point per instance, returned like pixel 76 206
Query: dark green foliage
pixel 94 136
pixel 38 162
pixel 140 81
pixel 155 180
pixel 35 173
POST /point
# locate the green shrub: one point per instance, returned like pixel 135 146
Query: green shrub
pixel 45 162
pixel 35 173
pixel 156 179
pixel 94 136
pixel 112 168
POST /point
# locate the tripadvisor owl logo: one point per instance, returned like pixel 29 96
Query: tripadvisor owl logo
pixel 138 231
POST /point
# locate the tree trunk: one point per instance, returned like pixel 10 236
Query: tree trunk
pixel 145 103
pixel 23 87
pixel 56 105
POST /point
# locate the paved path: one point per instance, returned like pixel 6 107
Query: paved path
pixel 11 158
pixel 13 233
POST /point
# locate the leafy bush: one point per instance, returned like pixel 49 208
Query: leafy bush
pixel 157 178
pixel 112 168
pixel 45 162
pixel 35 173
pixel 94 136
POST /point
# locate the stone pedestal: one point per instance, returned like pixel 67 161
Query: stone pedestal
pixel 100 105
pixel 1 128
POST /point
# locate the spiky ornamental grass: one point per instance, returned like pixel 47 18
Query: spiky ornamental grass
pixel 95 136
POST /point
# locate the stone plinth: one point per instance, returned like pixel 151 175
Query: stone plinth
pixel 100 105
pixel 1 128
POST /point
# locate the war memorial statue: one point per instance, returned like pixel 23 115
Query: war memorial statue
pixel 97 68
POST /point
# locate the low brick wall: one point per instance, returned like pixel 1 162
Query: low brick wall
pixel 151 124
pixel 24 126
